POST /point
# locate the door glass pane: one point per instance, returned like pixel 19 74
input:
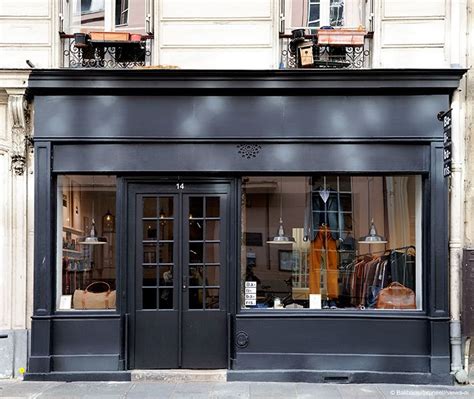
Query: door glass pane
pixel 149 298
pixel 166 275
pixel 196 230
pixel 166 230
pixel 196 277
pixel 149 253
pixel 166 207
pixel 212 230
pixel 195 298
pixel 149 276
pixel 196 209
pixel 212 252
pixel 212 298
pixel 149 230
pixel 195 252
pixel 212 275
pixel 166 298
pixel 149 207
pixel 166 252
pixel 212 207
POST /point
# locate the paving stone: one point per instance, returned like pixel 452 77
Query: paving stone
pixel 20 389
pixel 151 390
pixel 230 390
pixel 317 391
pixel 73 390
pixel 196 387
pixel 359 391
pixel 272 390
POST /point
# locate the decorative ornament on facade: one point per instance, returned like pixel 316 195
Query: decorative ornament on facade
pixel 21 140
pixel 249 151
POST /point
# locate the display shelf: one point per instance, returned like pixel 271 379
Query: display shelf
pixel 73 231
pixel 72 251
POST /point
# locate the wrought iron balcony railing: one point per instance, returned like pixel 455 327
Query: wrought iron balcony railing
pixel 85 53
pixel 306 52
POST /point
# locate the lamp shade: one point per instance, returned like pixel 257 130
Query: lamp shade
pixel 92 238
pixel 281 238
pixel 372 237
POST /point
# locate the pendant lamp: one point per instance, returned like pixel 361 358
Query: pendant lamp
pixel 281 238
pixel 92 238
pixel 372 237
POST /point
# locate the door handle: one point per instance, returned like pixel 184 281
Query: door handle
pixel 185 282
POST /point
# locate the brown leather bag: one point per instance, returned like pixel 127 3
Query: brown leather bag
pixel 396 296
pixel 85 299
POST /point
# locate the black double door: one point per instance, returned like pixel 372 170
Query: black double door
pixel 180 245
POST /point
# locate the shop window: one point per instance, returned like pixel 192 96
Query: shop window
pixel 86 242
pixel 331 242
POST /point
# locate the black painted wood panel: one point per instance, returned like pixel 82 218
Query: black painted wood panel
pixel 196 118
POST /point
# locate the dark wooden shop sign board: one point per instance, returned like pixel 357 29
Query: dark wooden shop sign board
pixel 446 118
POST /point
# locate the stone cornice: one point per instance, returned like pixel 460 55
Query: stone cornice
pixel 14 79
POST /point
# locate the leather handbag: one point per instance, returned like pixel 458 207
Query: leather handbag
pixel 396 296
pixel 85 299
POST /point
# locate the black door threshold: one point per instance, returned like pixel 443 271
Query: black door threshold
pixel 79 376
pixel 340 377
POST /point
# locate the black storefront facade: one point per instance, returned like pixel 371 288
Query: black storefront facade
pixel 181 138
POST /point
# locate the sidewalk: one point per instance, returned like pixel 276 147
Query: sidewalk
pixel 227 390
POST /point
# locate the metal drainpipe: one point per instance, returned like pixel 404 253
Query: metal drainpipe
pixel 456 239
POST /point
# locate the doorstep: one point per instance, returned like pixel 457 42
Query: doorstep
pixel 73 376
pixel 180 375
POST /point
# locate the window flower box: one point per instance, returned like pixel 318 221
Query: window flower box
pixel 109 36
pixel 341 37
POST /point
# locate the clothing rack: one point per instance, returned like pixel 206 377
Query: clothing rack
pixel 387 250
pixel 363 279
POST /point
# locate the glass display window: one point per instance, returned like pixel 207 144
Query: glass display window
pixel 331 242
pixel 86 242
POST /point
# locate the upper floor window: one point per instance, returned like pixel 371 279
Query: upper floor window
pixel 121 12
pixel 314 14
pixel 325 13
pixel 89 6
pixel 85 16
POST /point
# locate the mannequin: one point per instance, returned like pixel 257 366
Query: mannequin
pixel 324 252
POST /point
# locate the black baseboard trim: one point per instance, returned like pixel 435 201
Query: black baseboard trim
pixel 80 376
pixel 339 377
